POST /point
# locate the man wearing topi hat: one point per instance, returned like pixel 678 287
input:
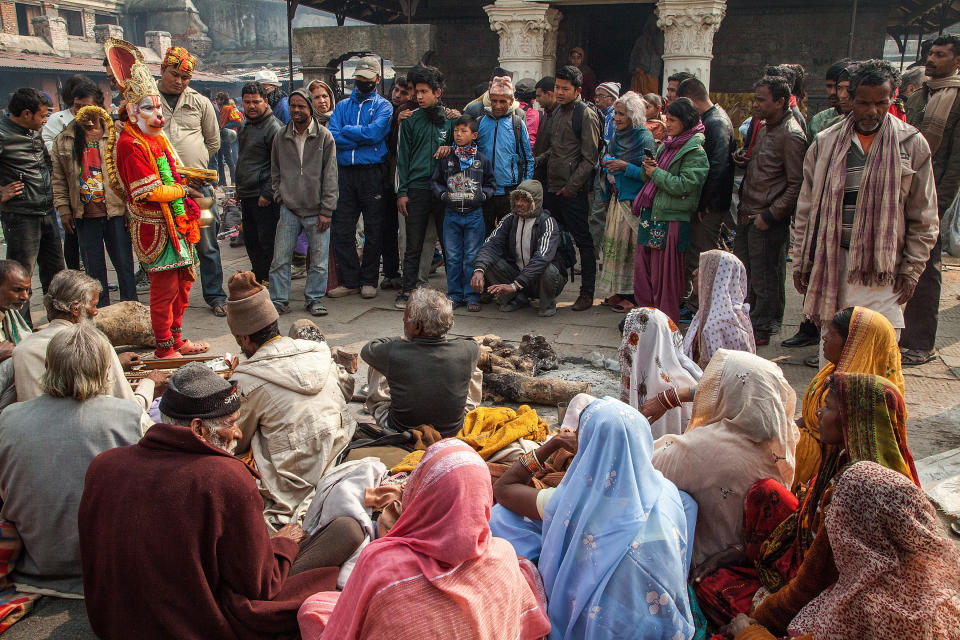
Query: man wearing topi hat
pixel 172 538
pixel 294 417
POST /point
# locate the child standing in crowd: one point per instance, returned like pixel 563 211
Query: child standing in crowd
pixel 463 181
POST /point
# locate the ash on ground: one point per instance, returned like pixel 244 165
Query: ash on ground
pixel 603 381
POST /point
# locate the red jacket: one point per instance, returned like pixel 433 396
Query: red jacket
pixel 173 545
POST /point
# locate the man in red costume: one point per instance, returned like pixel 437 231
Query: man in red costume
pixel 163 218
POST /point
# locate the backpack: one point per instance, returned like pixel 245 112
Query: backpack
pixel 518 135
pixel 577 121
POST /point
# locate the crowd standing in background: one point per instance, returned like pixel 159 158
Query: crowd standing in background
pixel 697 504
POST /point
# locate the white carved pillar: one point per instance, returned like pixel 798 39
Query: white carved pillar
pixel 528 36
pixel 688 29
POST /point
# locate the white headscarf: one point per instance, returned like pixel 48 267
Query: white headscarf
pixel 723 320
pixel 741 431
pixel 650 362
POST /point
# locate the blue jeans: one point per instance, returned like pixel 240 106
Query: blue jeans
pixel 208 251
pixel 94 234
pixel 463 233
pixel 287 231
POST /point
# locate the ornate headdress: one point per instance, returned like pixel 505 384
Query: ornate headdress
pixel 127 64
pixel 180 58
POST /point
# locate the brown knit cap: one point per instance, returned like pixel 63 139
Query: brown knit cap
pixel 249 308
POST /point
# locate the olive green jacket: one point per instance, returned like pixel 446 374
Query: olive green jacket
pixel 679 185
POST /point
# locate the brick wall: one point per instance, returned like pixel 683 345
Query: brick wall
pixel 89 22
pixel 750 38
pixel 8 14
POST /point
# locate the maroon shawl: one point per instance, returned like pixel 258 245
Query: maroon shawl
pixel 174 545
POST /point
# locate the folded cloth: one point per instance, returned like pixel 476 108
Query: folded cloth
pixel 490 429
pixel 424 436
pixel 14 605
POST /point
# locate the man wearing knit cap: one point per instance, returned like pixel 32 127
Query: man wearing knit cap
pixel 294 418
pixel 604 97
pixel 172 538
pixel 505 141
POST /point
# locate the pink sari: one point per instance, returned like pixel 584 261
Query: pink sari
pixel 439 572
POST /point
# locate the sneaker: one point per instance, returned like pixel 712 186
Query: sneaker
pixel 548 312
pixel 391 283
pixel 367 291
pixel 812 361
pixel 518 302
pixel 112 287
pixel 296 273
pixel 281 308
pixel 341 292
pixel 686 315
pixel 800 339
pixel 143 281
pixel 317 309
pixel 401 301
pixel 584 302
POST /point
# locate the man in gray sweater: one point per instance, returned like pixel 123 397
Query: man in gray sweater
pixel 304 181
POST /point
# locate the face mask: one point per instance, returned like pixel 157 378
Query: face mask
pixel 365 86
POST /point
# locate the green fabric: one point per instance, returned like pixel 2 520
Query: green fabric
pixel 679 185
pixel 170 258
pixel 418 141
pixel 821 122
pixel 653 233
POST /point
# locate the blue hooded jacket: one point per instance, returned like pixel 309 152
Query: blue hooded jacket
pixel 498 144
pixel 360 125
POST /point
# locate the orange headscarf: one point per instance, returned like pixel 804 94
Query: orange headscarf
pixel 180 58
pixel 871 347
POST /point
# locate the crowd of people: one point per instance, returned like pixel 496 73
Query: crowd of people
pixel 696 503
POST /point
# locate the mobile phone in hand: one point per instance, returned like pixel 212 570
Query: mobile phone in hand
pixel 648 154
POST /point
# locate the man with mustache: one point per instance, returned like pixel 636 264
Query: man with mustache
pixel 867 214
pixel 935 110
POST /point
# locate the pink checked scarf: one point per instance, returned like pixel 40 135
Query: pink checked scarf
pixel 898 573
pixel 872 258
pixel 671 147
pixel 439 573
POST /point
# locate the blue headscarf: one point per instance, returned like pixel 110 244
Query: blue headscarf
pixel 615 537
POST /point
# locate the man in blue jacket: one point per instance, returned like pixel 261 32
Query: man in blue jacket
pixel 504 141
pixel 360 125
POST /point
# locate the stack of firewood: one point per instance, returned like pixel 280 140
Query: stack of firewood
pixel 508 372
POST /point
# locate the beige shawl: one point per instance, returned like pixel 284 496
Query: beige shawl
pixel 942 94
pixel 741 431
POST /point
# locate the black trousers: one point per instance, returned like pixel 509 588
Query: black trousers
pixel 572 214
pixel 71 250
pixel 922 314
pixel 422 209
pixel 33 239
pixel 259 233
pixel 764 254
pixel 495 209
pixel 390 235
pixel 361 193
pixel 546 288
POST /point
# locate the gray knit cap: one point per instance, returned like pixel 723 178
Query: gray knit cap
pixel 195 391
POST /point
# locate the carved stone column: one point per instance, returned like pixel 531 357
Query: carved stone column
pixel 688 28
pixel 528 37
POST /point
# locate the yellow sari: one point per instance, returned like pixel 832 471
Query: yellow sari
pixel 871 347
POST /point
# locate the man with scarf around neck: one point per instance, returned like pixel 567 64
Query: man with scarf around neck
pixel 867 213
pixel 571 156
pixel 463 181
pixel 935 110
pixel 304 175
pixel 768 198
pixel 260 211
pixel 424 136
pixel 278 100
pixel 520 260
pixel 360 125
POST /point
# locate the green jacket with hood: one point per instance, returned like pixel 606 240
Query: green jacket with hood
pixel 417 143
pixel 679 185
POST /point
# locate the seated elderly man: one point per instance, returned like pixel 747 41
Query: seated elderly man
pixel 72 298
pixel 46 445
pixel 14 292
pixel 172 536
pixel 521 258
pixel 294 417
pixel 424 378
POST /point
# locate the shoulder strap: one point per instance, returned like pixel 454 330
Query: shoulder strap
pixel 577 119
pixel 518 123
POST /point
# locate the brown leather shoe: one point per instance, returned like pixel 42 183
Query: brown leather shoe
pixel 583 302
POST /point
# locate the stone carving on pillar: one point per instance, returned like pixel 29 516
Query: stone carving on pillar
pixel 688 28
pixel 528 36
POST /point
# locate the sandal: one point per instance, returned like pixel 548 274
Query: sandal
pixel 473 307
pixel 623 307
pixel 172 354
pixel 189 348
pixel 219 310
pixel 916 357
pixel 611 301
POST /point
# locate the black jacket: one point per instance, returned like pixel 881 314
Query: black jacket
pixel 544 243
pixel 253 160
pixel 463 189
pixel 717 191
pixel 23 156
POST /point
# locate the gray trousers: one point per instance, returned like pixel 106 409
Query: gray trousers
pixel 546 289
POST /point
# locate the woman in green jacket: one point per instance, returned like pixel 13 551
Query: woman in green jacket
pixel 669 196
